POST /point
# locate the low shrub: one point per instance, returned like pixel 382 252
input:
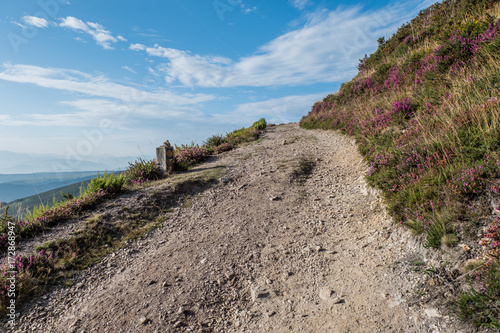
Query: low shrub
pixel 213 142
pixel 226 146
pixel 260 124
pixel 481 303
pixel 143 171
pixel 28 272
pixel 190 156
pixel 242 135
pixel 109 183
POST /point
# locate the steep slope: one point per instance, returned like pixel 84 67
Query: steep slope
pixel 425 111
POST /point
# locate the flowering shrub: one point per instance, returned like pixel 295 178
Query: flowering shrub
pixel 142 171
pixel 29 272
pixel 470 181
pixel 482 303
pixel 226 146
pixel 491 238
pixel 395 79
pixel 190 156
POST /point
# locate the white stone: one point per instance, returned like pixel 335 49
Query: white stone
pixel 432 313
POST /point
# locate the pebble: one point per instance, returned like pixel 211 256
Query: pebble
pixel 258 293
pixel 326 294
pixel 432 313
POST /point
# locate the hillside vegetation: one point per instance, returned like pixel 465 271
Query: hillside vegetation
pixel 425 111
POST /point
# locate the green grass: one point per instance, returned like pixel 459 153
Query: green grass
pixel 303 170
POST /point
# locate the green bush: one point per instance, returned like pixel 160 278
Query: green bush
pixel 143 171
pixel 110 183
pixel 260 124
pixel 242 135
pixel 214 141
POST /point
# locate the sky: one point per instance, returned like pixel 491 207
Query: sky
pixel 87 78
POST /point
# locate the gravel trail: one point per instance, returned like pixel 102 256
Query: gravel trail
pixel 291 239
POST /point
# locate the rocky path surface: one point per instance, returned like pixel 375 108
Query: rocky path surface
pixel 265 250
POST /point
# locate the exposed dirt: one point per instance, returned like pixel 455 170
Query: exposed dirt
pixel 290 240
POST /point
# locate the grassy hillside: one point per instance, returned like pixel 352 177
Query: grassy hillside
pixel 425 111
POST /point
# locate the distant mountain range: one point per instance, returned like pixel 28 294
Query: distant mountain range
pixel 24 175
pixel 17 163
pixel 20 206
pixel 21 186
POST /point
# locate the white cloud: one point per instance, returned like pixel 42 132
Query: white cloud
pixel 38 22
pixel 102 36
pixel 137 47
pixel 74 23
pixel 277 110
pixel 100 86
pixel 247 10
pixel 326 49
pixel 121 38
pixel 117 103
pixel 115 110
pixel 90 113
pixel 80 39
pixel 299 4
pixel 129 69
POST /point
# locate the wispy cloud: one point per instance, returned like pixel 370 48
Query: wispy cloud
pixel 276 110
pixel 97 86
pixel 102 36
pixel 116 103
pixel 90 113
pixel 137 47
pixel 38 22
pixel 326 49
pixel 299 4
pixel 247 10
pixel 129 69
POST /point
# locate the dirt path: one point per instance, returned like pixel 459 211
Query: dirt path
pixel 262 251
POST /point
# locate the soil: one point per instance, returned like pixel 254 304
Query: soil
pixel 290 239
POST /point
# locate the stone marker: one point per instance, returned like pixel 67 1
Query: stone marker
pixel 165 157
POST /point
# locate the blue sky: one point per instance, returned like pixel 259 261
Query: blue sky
pixel 120 77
